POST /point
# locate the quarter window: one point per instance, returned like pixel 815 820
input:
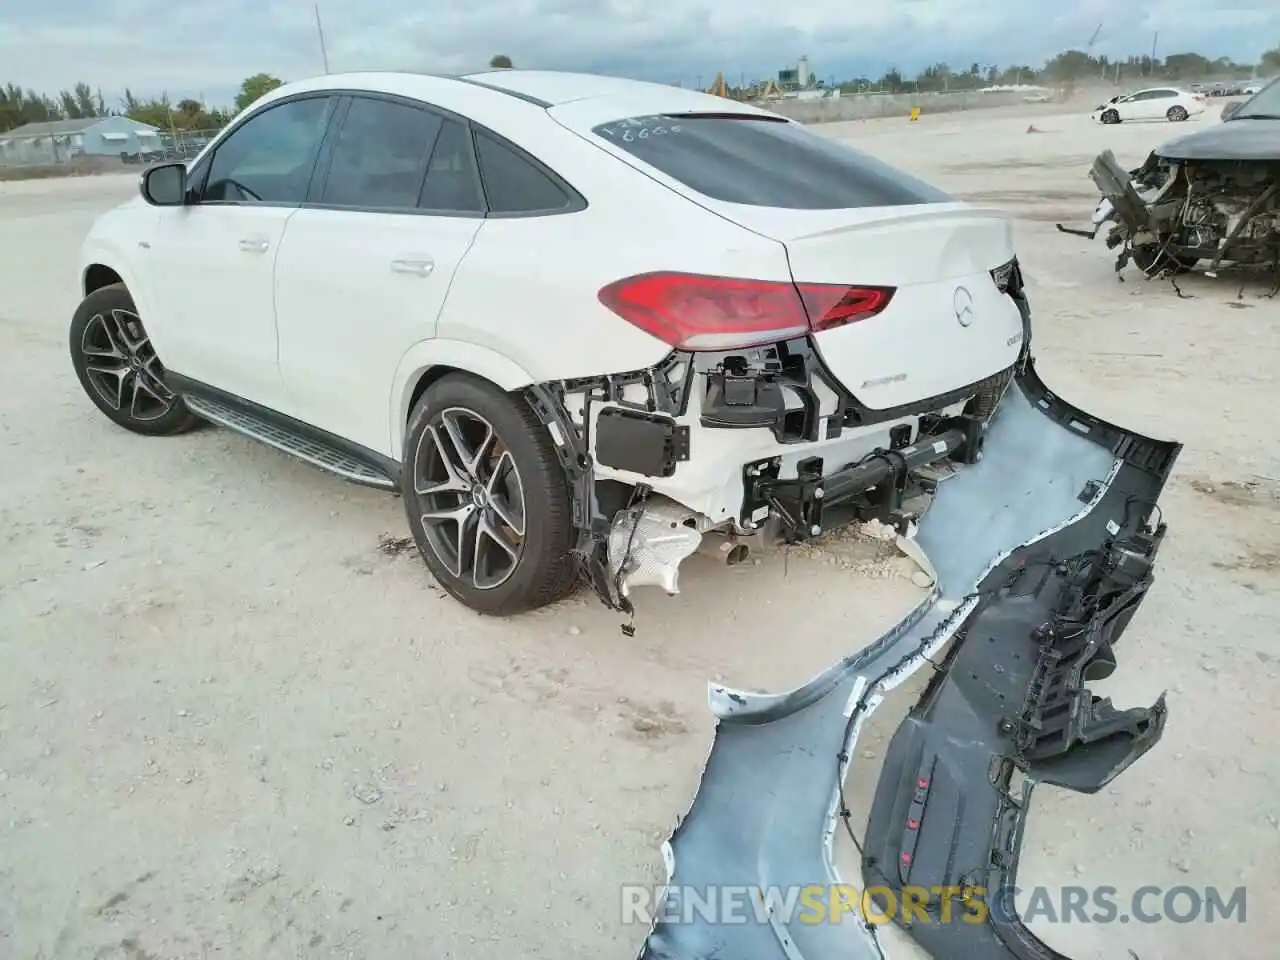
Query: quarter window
pixel 270 157
pixel 380 156
pixel 514 185
pixel 451 185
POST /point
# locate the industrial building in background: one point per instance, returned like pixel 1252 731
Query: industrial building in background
pixel 797 82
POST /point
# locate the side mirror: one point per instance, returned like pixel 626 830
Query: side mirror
pixel 1229 110
pixel 164 185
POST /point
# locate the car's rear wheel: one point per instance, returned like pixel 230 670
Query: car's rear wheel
pixel 1176 113
pixel 1110 116
pixel 118 368
pixel 487 499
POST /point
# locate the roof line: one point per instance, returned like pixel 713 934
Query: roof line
pixel 527 98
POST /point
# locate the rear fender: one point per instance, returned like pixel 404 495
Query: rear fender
pixel 456 354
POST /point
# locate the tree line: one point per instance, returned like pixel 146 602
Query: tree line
pixel 1072 66
pixel 19 106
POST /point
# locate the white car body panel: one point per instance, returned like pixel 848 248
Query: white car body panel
pixel 326 325
pixel 212 274
pixel 343 332
pixel 928 253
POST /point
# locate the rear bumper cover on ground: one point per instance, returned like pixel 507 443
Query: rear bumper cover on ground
pixel 1042 553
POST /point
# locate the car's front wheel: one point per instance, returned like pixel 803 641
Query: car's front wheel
pixel 118 368
pixel 1110 116
pixel 487 499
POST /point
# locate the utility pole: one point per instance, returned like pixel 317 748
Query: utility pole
pixel 1154 37
pixel 324 54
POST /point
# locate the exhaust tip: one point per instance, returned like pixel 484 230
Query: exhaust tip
pixel 737 554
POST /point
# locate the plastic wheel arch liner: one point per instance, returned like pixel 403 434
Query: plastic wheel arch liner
pixel 1042 552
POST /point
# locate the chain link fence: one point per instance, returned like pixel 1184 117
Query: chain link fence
pixel 64 154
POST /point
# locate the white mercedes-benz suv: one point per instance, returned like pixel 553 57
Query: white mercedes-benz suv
pixel 583 325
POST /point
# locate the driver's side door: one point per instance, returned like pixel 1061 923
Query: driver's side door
pixel 1130 108
pixel 212 261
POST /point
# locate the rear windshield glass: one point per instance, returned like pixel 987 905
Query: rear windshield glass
pixel 764 163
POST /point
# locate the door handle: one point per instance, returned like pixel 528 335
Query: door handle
pixel 254 245
pixel 419 268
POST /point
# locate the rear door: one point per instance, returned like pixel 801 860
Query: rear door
pixel 366 264
pixel 845 218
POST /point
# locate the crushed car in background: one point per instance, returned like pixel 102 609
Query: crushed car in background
pixel 1213 196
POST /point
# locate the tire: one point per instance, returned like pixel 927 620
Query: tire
pixel 118 368
pixel 501 497
pixel 1176 114
pixel 1110 116
pixel 1149 259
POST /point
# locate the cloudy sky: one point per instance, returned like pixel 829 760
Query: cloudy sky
pixel 188 48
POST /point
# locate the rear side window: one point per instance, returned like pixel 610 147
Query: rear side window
pixel 451 185
pixel 764 163
pixel 514 185
pixel 380 156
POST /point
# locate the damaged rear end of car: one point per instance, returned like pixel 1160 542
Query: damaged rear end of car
pixel 786 408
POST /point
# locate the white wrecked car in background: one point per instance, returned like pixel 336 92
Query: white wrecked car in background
pixel 1156 103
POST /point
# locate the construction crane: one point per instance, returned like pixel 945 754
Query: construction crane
pixel 719 88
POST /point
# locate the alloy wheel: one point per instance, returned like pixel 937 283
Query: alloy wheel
pixel 471 496
pixel 122 366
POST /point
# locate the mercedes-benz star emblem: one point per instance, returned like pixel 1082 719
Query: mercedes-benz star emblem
pixel 962 303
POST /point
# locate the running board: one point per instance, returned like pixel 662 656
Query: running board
pixel 309 449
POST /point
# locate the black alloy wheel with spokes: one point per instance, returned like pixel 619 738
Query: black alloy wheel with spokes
pixel 117 365
pixel 486 498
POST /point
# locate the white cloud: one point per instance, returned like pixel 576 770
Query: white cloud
pixel 150 45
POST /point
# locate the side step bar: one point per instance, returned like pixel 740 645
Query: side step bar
pixel 275 431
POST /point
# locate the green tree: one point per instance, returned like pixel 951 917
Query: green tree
pixel 1270 62
pixel 255 88
pixel 18 106
pixel 1071 65
pixel 1178 66
pixel 500 62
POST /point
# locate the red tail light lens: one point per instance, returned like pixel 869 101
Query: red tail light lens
pixel 833 305
pixel 694 312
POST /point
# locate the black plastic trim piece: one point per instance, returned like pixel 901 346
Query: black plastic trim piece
pixel 526 97
pixel 644 443
pixel 181 384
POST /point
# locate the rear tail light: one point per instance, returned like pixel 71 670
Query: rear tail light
pixel 694 312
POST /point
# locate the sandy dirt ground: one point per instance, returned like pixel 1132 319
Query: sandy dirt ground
pixel 237 719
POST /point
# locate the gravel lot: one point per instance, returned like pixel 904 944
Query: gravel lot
pixel 237 718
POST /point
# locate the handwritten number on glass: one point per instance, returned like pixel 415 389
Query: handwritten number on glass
pixel 640 128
